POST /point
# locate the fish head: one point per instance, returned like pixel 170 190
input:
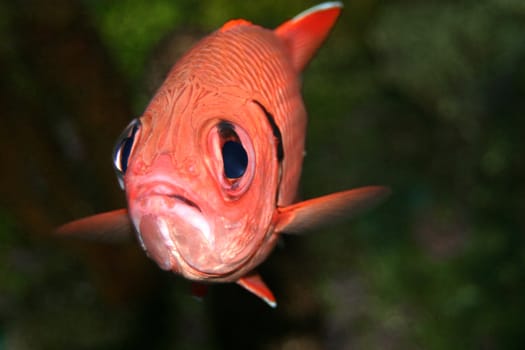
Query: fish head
pixel 201 182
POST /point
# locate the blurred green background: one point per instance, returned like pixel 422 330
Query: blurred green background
pixel 424 96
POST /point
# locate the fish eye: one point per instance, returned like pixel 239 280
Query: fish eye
pixel 235 159
pixel 123 148
pixel 234 156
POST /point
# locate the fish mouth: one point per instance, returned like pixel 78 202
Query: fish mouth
pixel 184 200
pixel 165 189
pixel 181 235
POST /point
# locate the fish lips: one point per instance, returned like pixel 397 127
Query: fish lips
pixel 178 236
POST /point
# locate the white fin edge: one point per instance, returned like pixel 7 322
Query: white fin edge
pixel 321 7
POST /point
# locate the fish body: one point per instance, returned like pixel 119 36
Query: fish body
pixel 236 84
pixel 211 168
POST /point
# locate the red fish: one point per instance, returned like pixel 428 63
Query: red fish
pixel 211 168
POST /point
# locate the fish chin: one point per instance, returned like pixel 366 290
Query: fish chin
pixel 179 237
pixel 156 241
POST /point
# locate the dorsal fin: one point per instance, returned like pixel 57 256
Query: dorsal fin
pixel 305 33
pixel 234 23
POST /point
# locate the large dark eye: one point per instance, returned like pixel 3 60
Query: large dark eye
pixel 123 149
pixel 234 156
pixel 232 159
pixel 235 159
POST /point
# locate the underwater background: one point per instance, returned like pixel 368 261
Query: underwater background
pixel 426 97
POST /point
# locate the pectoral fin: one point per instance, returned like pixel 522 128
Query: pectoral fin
pixel 312 213
pixel 112 227
pixel 254 283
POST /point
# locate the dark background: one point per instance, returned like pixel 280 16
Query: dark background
pixel 424 96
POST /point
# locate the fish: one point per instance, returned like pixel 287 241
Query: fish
pixel 211 168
